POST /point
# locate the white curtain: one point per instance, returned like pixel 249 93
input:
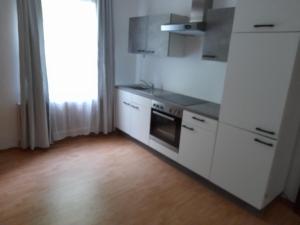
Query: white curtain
pixel 71 46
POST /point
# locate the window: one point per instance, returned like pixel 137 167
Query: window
pixel 70 29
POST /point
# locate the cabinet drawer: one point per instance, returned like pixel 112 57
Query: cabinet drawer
pixel 200 121
pixel 267 16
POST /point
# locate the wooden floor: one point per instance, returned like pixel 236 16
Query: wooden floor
pixel 114 181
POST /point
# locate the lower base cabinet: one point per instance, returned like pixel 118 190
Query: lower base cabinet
pixel 242 164
pixel 140 119
pixel 123 112
pixel 197 143
pixel 248 165
pixel 132 115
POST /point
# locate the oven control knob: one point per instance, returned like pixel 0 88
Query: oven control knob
pixel 161 107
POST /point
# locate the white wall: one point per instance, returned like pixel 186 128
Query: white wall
pixel 189 75
pixel 125 62
pixel 9 73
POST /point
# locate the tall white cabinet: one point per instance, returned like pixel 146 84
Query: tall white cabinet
pixel 260 110
pixel 258 79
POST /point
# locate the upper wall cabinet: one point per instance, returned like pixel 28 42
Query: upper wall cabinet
pixel 267 16
pixel 146 37
pixel 218 34
pixel 138 34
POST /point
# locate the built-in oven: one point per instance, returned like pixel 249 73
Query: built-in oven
pixel 166 125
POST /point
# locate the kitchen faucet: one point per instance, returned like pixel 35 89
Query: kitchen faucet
pixel 147 84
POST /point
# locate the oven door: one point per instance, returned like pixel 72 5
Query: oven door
pixel 165 129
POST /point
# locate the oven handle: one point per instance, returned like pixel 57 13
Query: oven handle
pixel 163 115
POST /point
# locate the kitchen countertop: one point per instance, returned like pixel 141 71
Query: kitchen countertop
pixel 208 109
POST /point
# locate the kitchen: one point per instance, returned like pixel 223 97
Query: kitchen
pixel 218 133
pixel 162 112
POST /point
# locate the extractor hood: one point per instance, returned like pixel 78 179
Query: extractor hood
pixel 197 23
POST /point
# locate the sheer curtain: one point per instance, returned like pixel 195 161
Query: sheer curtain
pixel 71 47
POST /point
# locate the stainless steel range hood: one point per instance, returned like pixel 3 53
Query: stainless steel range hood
pixel 197 23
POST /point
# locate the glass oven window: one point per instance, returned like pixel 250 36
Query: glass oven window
pixel 165 128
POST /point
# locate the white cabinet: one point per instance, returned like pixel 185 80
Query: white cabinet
pixel 258 78
pixel 133 115
pixel 259 116
pixel 140 118
pixel 123 112
pixel 267 16
pixel 197 143
pixel 260 109
pixel 242 164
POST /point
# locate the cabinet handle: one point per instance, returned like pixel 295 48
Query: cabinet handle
pixel 200 120
pixel 189 128
pixel 263 142
pixel 150 52
pixel 163 115
pixel 126 103
pixel 264 25
pixel 265 131
pixel 209 56
pixel 135 107
pixel 146 51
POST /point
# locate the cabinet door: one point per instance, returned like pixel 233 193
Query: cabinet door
pixel 267 16
pixel 218 34
pixel 258 77
pixel 196 148
pixel 242 164
pixel 140 118
pixel 141 122
pixel 123 112
pixel 138 27
pixel 158 41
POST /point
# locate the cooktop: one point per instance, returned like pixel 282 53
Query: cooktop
pixel 181 99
